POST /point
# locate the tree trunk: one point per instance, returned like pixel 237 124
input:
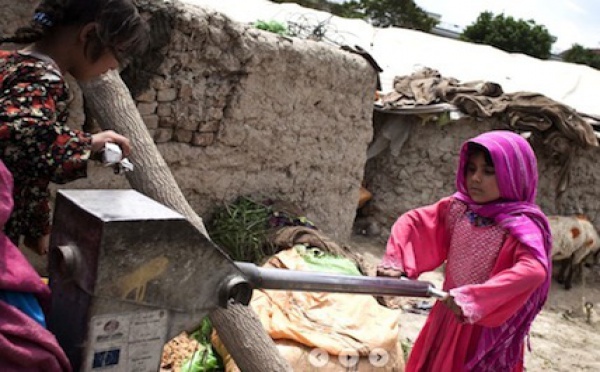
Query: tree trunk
pixel 110 104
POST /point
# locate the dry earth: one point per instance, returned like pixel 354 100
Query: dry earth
pixel 561 337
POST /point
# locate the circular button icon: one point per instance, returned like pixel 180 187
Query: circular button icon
pixel 378 357
pixel 318 357
pixel 348 358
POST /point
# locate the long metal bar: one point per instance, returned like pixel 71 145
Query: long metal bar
pixel 311 281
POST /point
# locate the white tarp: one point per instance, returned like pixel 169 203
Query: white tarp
pixel 401 52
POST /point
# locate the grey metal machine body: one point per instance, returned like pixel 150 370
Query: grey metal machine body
pixel 127 274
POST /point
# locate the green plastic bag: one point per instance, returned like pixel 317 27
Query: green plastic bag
pixel 204 359
pixel 318 260
pixel 272 26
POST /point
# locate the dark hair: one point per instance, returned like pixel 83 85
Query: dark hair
pixel 120 26
pixel 475 148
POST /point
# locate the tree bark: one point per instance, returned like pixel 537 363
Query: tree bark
pixel 109 102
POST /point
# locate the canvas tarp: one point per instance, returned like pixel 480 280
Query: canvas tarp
pixel 401 52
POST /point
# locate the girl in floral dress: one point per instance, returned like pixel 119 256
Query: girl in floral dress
pixel 495 242
pixel 84 38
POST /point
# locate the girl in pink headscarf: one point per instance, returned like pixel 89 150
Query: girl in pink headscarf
pixel 495 242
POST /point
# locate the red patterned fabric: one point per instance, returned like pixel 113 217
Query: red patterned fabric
pixel 473 249
pixel 35 144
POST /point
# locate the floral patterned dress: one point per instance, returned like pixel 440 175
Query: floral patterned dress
pixel 35 144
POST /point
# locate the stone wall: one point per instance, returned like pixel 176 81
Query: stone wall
pixel 238 111
pixel 424 171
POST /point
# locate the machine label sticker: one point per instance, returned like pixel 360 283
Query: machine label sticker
pixel 106 358
pixel 130 342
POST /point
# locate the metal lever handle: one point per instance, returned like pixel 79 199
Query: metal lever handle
pixel 437 293
pixel 235 289
pixel 267 278
pixel 432 291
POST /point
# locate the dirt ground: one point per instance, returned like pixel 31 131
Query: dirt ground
pixel 561 337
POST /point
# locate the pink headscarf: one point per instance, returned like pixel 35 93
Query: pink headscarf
pixel 516 173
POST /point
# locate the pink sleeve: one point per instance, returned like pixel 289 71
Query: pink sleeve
pixel 6 194
pixel 492 303
pixel 419 240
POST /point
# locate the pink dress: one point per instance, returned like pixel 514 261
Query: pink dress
pixel 490 274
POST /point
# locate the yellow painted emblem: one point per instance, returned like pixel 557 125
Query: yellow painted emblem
pixel 136 281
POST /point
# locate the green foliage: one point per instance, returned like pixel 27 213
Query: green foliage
pixel 350 9
pixel 272 26
pixel 323 5
pixel 382 13
pixel 202 360
pixel 399 13
pixel 506 33
pixel 581 55
pixel 407 346
pixel 241 229
pixel 202 334
pixel 205 359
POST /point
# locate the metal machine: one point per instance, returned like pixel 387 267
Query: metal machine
pixel 128 274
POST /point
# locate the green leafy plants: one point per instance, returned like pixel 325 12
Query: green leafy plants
pixel 205 359
pixel 510 34
pixel 241 229
pixel 272 26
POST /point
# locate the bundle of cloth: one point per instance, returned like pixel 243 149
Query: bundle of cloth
pixel 25 343
pixel 559 127
pixel 337 324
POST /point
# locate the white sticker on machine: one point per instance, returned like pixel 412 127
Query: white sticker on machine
pixel 129 342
